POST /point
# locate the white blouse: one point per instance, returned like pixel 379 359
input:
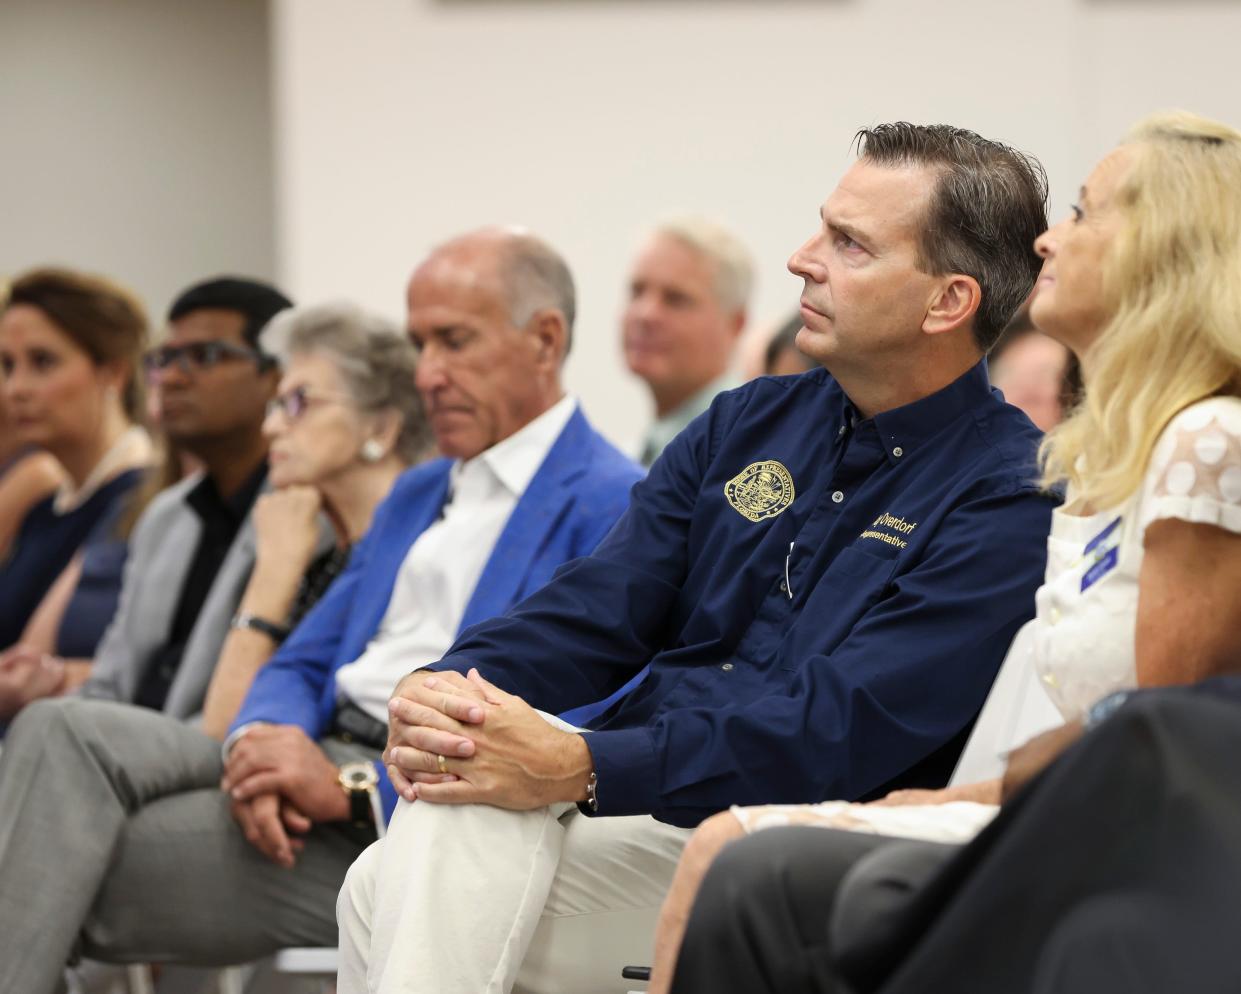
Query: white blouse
pixel 1083 641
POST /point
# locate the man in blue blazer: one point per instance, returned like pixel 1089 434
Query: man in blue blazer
pixel 120 809
pixel 570 504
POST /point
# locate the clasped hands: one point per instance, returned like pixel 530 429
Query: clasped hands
pixel 280 783
pixel 462 740
pixel 27 674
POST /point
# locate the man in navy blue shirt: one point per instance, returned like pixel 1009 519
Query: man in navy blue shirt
pixel 812 592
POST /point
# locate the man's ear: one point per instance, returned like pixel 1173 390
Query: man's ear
pixel 954 304
pixel 736 322
pixel 551 337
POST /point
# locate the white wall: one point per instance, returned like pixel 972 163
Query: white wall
pixel 136 140
pixel 404 121
pixel 137 134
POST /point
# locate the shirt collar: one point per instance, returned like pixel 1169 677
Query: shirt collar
pixel 902 429
pixel 664 430
pixel 207 502
pixel 513 461
pixel 679 417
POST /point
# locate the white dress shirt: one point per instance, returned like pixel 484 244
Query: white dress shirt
pixel 442 567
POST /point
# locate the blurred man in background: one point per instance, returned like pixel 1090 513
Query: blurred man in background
pixel 688 293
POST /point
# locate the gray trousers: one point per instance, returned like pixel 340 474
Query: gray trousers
pixel 116 843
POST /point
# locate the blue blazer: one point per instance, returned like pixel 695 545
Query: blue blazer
pixel 578 493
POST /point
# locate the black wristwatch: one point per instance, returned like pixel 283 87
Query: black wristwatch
pixel 359 781
pixel 277 633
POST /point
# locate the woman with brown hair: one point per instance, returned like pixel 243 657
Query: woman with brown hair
pixel 70 345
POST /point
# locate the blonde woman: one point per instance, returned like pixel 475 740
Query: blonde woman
pixel 1143 586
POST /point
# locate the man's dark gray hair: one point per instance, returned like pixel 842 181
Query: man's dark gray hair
pixel 988 206
pixel 538 278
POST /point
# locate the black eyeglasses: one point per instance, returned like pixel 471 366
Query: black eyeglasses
pixel 194 356
pixel 293 404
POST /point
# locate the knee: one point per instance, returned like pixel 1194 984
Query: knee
pixel 708 840
pixel 41 723
pixel 737 872
pixel 357 893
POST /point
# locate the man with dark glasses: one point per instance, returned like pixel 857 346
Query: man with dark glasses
pixel 193 357
pixel 210 384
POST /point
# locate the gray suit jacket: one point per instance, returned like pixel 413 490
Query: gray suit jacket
pixel 160 551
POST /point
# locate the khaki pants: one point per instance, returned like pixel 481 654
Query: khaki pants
pixel 471 899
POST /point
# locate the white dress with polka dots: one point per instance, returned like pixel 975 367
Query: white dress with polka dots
pixel 1084 630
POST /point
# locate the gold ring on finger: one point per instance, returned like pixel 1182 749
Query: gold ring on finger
pixel 442 763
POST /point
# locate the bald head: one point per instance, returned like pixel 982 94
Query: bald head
pixel 490 312
pixel 530 274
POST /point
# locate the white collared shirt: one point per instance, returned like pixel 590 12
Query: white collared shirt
pixel 442 567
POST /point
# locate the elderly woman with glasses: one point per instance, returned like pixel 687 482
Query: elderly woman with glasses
pixel 345 423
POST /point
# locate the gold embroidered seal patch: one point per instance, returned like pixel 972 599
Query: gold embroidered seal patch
pixel 761 490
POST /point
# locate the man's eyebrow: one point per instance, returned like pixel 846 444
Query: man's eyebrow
pixel 846 229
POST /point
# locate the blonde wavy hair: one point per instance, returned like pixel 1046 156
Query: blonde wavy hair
pixel 1172 283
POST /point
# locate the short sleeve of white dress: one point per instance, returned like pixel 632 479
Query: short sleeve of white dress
pixel 1195 470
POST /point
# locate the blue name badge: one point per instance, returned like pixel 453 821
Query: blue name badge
pixel 1102 553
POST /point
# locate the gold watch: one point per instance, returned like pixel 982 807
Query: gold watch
pixel 359 781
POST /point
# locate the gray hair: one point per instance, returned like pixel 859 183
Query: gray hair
pixel 537 278
pixel 728 256
pixel 375 361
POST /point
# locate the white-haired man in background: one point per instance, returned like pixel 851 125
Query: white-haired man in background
pixel 688 294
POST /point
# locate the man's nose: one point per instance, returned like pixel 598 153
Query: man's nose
pixel 431 373
pixel 804 263
pixel 645 307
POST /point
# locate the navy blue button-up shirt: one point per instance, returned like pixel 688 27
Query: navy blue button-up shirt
pixel 822 600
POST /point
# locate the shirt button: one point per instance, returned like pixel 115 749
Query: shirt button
pixel 837 497
pixel 841 432
pixel 784 586
pixel 898 451
pixel 727 667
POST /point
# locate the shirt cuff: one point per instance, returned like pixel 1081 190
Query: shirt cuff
pixel 628 770
pixel 236 735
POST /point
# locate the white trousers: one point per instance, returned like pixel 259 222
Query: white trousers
pixel 471 899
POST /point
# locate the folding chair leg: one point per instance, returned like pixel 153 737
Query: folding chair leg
pixel 138 977
pixel 233 980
